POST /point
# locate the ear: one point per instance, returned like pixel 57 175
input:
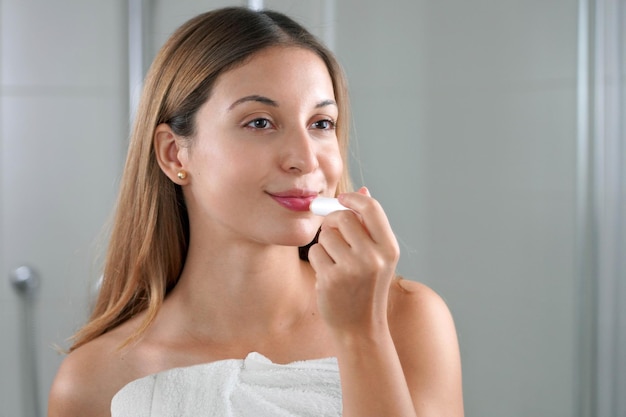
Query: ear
pixel 169 153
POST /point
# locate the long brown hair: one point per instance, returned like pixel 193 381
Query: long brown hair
pixel 150 230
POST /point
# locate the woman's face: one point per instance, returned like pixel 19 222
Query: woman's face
pixel 265 146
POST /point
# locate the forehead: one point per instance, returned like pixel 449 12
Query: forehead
pixel 277 71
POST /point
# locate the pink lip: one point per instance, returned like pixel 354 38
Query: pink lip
pixel 296 199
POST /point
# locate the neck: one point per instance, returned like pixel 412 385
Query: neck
pixel 242 289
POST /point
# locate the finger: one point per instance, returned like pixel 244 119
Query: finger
pixel 364 191
pixel 349 226
pixel 372 214
pixel 319 258
pixel 334 243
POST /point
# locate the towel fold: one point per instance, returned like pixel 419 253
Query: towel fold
pixel 250 387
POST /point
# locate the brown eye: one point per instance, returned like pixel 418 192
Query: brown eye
pixel 259 123
pixel 325 124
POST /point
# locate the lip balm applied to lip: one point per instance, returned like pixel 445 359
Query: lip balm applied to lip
pixel 323 206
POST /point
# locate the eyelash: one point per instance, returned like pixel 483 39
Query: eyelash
pixel 330 122
pixel 253 124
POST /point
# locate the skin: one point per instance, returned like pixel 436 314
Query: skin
pixel 395 342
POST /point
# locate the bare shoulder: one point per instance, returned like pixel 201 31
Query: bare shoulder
pixel 419 318
pixel 424 333
pixel 413 303
pixel 87 380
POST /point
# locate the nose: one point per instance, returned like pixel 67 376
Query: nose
pixel 299 154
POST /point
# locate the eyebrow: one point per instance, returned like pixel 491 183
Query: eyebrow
pixel 325 103
pixel 257 98
pixel 273 103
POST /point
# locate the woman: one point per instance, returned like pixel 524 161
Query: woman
pixel 206 307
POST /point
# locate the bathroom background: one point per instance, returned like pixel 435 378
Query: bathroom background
pixel 489 129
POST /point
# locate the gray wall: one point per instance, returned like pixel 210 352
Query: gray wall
pixel 464 128
pixel 63 118
pixel 465 117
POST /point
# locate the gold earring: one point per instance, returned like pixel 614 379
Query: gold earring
pixel 182 174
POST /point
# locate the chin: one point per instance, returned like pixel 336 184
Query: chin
pixel 307 241
pixel 297 242
pixel 297 238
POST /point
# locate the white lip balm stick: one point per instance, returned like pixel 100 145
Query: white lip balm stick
pixel 323 206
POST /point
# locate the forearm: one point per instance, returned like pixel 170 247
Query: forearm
pixel 372 379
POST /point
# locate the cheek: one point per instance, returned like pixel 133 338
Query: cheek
pixel 333 168
pixel 216 160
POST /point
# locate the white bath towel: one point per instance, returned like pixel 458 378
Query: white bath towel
pixel 250 387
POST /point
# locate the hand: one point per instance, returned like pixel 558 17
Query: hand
pixel 354 261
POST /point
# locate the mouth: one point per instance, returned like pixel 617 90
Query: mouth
pixel 295 200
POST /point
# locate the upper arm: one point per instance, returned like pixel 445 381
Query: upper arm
pixel 79 389
pixel 426 341
pixel 65 397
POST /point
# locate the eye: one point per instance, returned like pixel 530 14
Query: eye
pixel 259 123
pixel 325 124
